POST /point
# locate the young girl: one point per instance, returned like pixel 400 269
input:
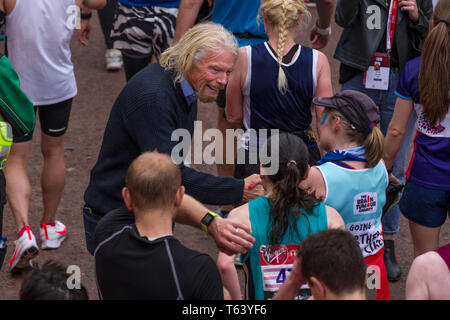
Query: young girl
pixel 279 221
pixel 273 83
pixel 351 176
pixel 424 88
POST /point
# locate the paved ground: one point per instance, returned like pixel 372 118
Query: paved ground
pixel 97 90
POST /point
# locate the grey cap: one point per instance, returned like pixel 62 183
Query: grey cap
pixel 355 106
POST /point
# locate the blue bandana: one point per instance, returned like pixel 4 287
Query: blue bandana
pixel 337 156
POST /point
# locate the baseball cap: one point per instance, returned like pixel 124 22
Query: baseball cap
pixel 355 106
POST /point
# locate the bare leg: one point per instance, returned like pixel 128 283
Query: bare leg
pixel 53 175
pixel 18 188
pixel 424 238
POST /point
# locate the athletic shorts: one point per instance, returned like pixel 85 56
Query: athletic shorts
pixel 143 31
pixel 53 118
pixel 424 206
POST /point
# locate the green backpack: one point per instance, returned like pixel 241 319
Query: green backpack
pixel 15 107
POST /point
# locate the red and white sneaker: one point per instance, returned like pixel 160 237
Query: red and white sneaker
pixel 52 234
pixel 26 249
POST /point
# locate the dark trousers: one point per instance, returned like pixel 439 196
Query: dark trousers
pixel 90 220
pixel 133 65
pixel 106 17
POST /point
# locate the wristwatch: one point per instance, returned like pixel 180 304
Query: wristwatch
pixel 207 219
pixel 323 32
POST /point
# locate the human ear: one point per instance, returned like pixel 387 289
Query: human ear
pixel 127 198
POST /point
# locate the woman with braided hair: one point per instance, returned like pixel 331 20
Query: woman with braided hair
pixel 273 83
pixel 279 221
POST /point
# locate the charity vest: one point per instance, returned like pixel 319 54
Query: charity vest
pixel 359 197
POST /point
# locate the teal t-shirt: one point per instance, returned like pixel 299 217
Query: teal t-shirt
pixel 268 266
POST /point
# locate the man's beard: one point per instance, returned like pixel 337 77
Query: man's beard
pixel 203 96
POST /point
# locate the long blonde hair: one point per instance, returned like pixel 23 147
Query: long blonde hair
pixel 435 66
pixel 283 15
pixel 194 45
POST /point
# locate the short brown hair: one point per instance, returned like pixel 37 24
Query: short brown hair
pixel 153 180
pixel 333 256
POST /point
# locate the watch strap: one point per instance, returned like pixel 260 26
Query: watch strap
pixel 204 226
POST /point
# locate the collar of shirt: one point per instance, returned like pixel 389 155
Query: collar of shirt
pixel 189 92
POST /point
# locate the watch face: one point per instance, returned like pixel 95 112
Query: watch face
pixel 207 219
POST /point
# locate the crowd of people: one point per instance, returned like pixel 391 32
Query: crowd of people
pixel 310 230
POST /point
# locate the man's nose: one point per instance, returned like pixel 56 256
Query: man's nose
pixel 222 79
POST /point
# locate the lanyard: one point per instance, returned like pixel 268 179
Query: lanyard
pixel 391 24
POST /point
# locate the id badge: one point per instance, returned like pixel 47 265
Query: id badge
pixel 377 75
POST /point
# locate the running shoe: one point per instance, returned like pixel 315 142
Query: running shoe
pixel 310 3
pixel 113 59
pixel 26 249
pixel 52 235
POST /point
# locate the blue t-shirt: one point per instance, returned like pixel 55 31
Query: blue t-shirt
pixel 239 16
pixel 152 3
pixel 430 161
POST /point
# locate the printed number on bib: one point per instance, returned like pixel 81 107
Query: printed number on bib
pixel 276 265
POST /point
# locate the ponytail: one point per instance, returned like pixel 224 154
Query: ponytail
pixel 283 15
pixel 288 197
pixel 434 66
pixel 374 145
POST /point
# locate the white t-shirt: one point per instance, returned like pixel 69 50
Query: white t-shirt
pixel 39 34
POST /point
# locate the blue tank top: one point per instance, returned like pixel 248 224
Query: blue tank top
pixel 267 267
pixel 264 106
pixel 359 197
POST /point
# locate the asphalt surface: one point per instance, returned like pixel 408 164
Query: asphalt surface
pixel 97 90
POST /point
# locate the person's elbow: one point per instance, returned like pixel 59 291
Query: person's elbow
pixel 225 263
pixel 235 120
pixel 395 132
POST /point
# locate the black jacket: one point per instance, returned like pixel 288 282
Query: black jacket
pixel 358 43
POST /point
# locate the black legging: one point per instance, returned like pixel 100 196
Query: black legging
pixel 106 17
pixel 134 65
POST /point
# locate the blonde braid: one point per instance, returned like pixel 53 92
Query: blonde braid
pixel 282 34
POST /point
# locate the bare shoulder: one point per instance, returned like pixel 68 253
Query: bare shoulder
pixel 335 220
pixel 241 215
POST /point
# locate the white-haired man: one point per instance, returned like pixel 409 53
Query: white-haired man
pixel 156 102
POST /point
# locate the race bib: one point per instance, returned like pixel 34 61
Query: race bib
pixel 276 264
pixel 377 75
